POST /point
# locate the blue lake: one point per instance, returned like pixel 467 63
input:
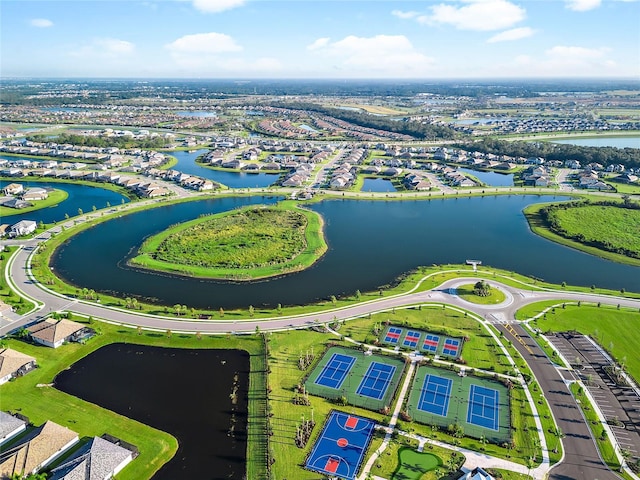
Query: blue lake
pixel 84 197
pixel 187 164
pixel 493 179
pixel 371 243
pixel 197 113
pixel 377 185
pixel 618 142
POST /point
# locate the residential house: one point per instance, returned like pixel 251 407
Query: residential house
pixel 53 333
pixel 16 203
pixel 10 426
pixel 476 474
pixel 98 459
pixel 13 189
pixel 35 194
pixel 14 364
pixel 23 227
pixel 37 450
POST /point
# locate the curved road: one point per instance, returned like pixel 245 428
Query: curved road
pixel 581 459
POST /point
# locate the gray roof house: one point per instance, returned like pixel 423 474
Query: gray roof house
pixel 98 459
pixel 10 426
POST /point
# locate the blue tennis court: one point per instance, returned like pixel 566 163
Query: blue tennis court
pixel 335 371
pixel 375 382
pixel 435 395
pixel 393 335
pixel 341 446
pixel 411 339
pixel 431 343
pixel 483 407
pixel 451 347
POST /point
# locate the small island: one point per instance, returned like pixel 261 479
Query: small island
pixel 606 229
pixel 241 245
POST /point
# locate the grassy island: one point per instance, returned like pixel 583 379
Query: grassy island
pixel 246 244
pixel 606 229
pixel 54 198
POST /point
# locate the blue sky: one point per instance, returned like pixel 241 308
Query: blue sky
pixel 320 39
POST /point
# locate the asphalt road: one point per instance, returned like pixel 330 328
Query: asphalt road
pixel 581 458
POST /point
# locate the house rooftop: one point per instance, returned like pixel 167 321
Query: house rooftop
pixel 9 423
pixel 96 460
pixel 12 360
pixel 54 330
pixel 29 455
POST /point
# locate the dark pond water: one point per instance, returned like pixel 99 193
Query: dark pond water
pixel 182 392
pixel 370 244
pixel 492 179
pixel 377 185
pixel 80 196
pixel 187 164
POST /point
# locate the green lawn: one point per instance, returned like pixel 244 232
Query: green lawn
pixel 412 464
pixel 617 331
pixel 54 198
pixel 466 292
pixel 606 230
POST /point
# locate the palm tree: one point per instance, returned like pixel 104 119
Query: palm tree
pixel 177 307
pixel 557 432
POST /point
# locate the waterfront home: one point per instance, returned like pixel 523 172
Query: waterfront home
pixel 23 227
pixel 53 333
pixel 12 202
pixel 14 364
pixel 98 459
pixel 35 194
pixel 10 426
pixel 37 450
pixel 13 189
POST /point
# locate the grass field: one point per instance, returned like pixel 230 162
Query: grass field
pixel 466 293
pixel 589 224
pixel 55 197
pixel 617 331
pixel 611 225
pixel 250 243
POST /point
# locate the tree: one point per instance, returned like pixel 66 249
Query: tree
pixel 93 208
pixel 66 216
pixel 279 309
pixel 177 308
pixel 334 300
pixel 169 333
pixel 221 311
pixel 251 310
pixel 108 204
pixel 358 294
pixel 482 289
pixel 80 212
pixel 557 432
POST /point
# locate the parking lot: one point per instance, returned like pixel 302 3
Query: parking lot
pixel 616 402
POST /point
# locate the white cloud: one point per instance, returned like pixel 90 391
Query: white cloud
pixel 478 15
pixel 566 61
pixel 582 5
pixel 386 55
pixel 576 54
pixel 216 6
pixel 41 22
pixel 204 43
pixel 319 43
pixel 405 15
pixel 103 48
pixel 216 54
pixel 513 34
